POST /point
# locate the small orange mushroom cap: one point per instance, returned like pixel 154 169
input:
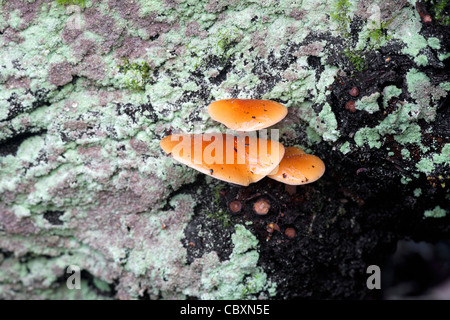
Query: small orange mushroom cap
pixel 237 159
pixel 247 114
pixel 298 168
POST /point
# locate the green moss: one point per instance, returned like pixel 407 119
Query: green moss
pixel 81 3
pixel 226 40
pixel 372 37
pixel 217 212
pixel 357 58
pixel 341 16
pixel 376 35
pixel 437 212
pixel 440 14
pixel 136 74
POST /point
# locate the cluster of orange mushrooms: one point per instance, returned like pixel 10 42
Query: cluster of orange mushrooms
pixel 289 165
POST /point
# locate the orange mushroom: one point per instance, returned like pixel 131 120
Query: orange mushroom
pixel 247 114
pixel 237 159
pixel 298 168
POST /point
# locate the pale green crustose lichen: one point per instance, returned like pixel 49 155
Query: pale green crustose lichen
pixel 437 212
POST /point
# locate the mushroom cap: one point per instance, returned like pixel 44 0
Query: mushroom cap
pixel 298 168
pixel 247 114
pixel 237 159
